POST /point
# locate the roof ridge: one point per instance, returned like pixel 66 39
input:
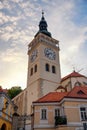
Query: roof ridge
pixel 42 97
pixel 73 74
pixel 80 88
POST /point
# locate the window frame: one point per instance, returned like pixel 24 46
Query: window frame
pixel 47 67
pixel 57 112
pixel 83 113
pixel 35 68
pixel 42 116
pixel 31 71
pixel 53 69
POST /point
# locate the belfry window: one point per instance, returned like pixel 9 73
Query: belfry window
pixel 53 69
pixel 31 71
pixel 47 67
pixel 35 68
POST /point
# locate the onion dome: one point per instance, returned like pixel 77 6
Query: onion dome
pixel 43 26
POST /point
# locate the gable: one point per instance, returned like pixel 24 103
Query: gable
pixel 73 74
pixel 78 92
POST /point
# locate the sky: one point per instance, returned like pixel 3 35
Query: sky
pixel 19 20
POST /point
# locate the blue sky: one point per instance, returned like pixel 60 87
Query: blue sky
pixel 19 19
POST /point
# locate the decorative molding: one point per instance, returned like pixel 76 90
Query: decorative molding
pixel 44 126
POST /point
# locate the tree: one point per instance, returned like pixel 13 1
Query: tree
pixel 14 91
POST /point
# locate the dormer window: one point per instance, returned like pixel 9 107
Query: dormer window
pixel 80 92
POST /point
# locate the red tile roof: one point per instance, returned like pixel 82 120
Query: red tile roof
pixel 76 92
pixel 73 74
pixel 3 90
pixel 52 97
pixel 61 87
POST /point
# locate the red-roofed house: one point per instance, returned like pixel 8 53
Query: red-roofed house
pixel 72 80
pixel 3 90
pixel 61 110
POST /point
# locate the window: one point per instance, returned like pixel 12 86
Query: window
pixel 43 114
pixel 77 84
pixel 83 112
pixel 35 68
pixel 47 67
pixel 80 92
pixel 53 69
pixel 84 83
pixel 57 112
pixel 31 71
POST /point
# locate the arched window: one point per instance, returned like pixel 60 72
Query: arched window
pixel 3 127
pixel 53 69
pixel 35 68
pixel 31 71
pixel 77 83
pixel 47 67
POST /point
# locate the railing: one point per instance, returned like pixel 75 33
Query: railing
pixel 60 120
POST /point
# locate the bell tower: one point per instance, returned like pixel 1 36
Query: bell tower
pixel 44 64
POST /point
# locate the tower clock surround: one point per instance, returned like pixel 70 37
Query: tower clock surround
pixel 49 53
pixel 34 55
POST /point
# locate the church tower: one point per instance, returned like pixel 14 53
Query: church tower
pixel 44 64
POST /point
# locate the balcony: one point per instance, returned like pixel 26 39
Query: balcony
pixel 60 120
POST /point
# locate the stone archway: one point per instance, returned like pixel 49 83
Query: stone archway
pixel 3 127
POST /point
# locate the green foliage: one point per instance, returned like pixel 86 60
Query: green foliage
pixel 60 120
pixel 14 91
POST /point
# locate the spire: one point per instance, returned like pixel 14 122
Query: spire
pixel 42 13
pixel 43 26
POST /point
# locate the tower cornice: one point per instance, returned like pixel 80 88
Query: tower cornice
pixel 42 38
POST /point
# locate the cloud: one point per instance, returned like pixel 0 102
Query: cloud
pixel 70 34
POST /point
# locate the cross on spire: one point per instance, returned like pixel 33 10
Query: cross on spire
pixel 43 26
pixel 42 13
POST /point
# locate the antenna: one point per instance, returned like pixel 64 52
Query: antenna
pixel 73 68
pixel 80 70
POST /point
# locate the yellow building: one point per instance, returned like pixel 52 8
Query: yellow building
pixel 6 111
pixel 61 110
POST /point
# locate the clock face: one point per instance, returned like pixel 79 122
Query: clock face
pixel 33 55
pixel 49 53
